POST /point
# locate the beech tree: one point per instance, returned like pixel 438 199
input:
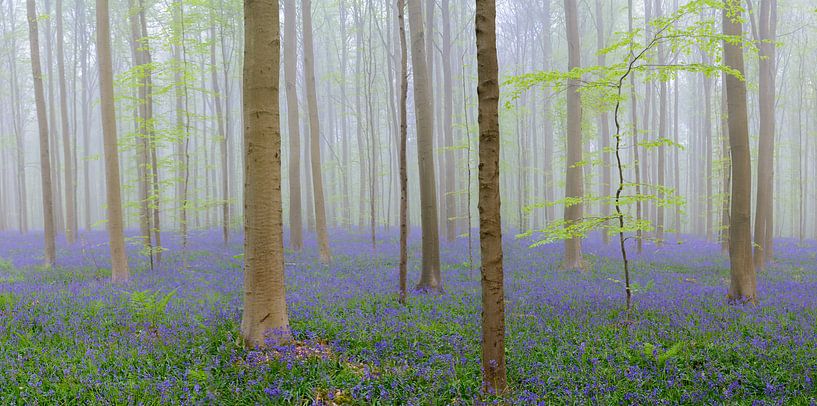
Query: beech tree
pixel 265 307
pixel 42 123
pixel 119 261
pixel 574 173
pixel 743 284
pixel 490 221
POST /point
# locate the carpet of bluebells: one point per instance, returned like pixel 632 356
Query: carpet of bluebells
pixel 170 335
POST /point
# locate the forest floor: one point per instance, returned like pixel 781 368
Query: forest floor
pixel 170 335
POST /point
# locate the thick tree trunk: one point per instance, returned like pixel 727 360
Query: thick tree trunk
pixel 430 278
pixel 314 133
pixel 293 124
pixel 726 183
pixel 743 284
pixel 119 262
pixel 490 224
pixel 574 178
pixel 265 307
pixel 42 122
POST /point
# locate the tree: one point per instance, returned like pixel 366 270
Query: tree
pixel 42 122
pixel 764 31
pixel 293 123
pixel 574 178
pixel 119 262
pixel 265 305
pixel 401 21
pixel 743 285
pixel 314 133
pixel 430 278
pixel 67 137
pixel 490 223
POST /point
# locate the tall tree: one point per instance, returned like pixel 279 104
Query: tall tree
pixel 119 262
pixel 314 133
pixel 490 222
pixel 743 284
pixel 430 278
pixel 67 137
pixel 293 123
pixel 222 132
pixel 265 305
pixel 448 126
pixel 764 30
pixel 574 177
pixel 401 21
pixel 42 123
pixel 605 185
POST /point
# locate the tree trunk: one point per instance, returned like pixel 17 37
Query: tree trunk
pixel 293 124
pixel 67 137
pixel 401 6
pixel 42 122
pixel 490 224
pixel 765 35
pixel 448 127
pixel 314 133
pixel 574 178
pixel 119 262
pixel 430 278
pixel 265 305
pixel 743 284
pixel 604 126
pixel 222 133
pixel 17 124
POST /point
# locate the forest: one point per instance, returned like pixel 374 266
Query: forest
pixel 408 202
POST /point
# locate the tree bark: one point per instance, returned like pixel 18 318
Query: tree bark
pixel 490 224
pixel 430 278
pixel 401 6
pixel 42 122
pixel 314 133
pixel 265 308
pixel 119 262
pixel 574 177
pixel 67 137
pixel 293 125
pixel 743 284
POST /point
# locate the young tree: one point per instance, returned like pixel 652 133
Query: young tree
pixel 401 6
pixel 314 133
pixel 430 278
pixel 42 122
pixel 293 123
pixel 574 177
pixel 265 305
pixel 743 284
pixel 119 262
pixel 490 223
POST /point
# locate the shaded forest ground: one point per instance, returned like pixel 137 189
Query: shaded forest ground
pixel 170 335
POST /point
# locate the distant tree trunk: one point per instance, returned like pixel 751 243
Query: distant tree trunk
pixel 401 6
pixel 265 305
pixel 574 187
pixel 726 168
pixel 142 157
pixel 662 132
pixel 293 124
pixel 604 124
pixel 17 125
pixel 639 240
pixel 490 224
pixel 42 121
pixel 119 262
pixel 743 284
pixel 67 137
pixel 547 123
pixel 183 142
pixel 153 162
pixel 59 218
pixel 708 151
pixel 430 278
pixel 222 133
pixel 314 132
pixel 448 127
pixel 765 33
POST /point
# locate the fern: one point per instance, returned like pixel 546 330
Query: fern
pixel 149 305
